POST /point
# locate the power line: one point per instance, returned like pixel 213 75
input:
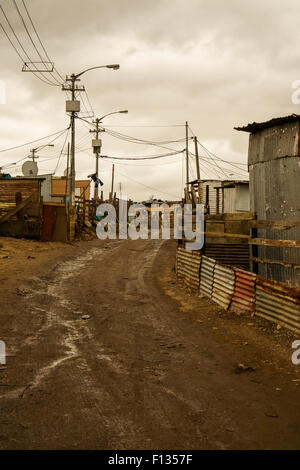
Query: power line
pixel 33 43
pixel 36 73
pixel 34 28
pixel 144 157
pixel 136 139
pixel 222 160
pixel 146 125
pixel 61 152
pixel 213 156
pixel 32 142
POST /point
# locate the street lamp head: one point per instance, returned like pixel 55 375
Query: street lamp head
pixel 124 111
pixel 113 66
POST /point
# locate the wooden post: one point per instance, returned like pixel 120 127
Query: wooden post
pixel 253 252
pixel 84 209
pixel 207 199
pixel 197 158
pixel 112 179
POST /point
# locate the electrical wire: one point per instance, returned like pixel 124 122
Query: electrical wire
pixel 222 160
pixel 35 73
pixel 34 28
pixel 214 157
pixel 144 158
pixel 33 141
pixel 58 83
pixel 136 139
pixel 61 152
pixel 146 125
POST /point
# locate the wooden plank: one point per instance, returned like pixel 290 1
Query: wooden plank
pixel 14 211
pixel 278 243
pixel 253 252
pixel 56 204
pixel 239 216
pixel 268 261
pixel 226 235
pixel 274 224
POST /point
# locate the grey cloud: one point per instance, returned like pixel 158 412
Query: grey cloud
pixel 214 63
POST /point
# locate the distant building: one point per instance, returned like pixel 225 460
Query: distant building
pixel 227 196
pixel 60 188
pixel 274 167
pixel 233 197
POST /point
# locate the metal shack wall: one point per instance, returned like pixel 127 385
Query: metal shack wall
pixel 274 168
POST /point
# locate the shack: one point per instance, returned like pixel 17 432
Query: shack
pixel 274 168
pixel 60 189
pixel 233 197
pixel 20 207
pixel 222 196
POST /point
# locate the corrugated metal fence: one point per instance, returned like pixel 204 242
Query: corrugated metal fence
pixel 187 267
pixel 238 290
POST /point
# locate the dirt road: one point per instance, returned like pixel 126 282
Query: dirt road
pixel 106 351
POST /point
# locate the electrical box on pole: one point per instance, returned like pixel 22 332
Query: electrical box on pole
pixel 96 144
pixel 73 106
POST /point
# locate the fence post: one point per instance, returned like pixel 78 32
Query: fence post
pixel 253 252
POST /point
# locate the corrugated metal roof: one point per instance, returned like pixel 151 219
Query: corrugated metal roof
pixel 259 126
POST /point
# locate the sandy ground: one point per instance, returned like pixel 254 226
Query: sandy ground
pixel 106 350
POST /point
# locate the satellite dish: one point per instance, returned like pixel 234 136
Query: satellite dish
pixel 30 169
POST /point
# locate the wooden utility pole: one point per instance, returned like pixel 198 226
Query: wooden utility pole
pixel 97 144
pixel 197 158
pixel 187 157
pixel 112 179
pixel 72 107
pixel 68 172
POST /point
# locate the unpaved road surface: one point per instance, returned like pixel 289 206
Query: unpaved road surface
pixel 107 351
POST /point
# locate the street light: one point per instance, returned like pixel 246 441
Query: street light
pixel 73 107
pixel 33 151
pixel 111 66
pixel 124 111
pixel 97 143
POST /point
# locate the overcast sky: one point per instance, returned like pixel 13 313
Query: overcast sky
pixel 212 63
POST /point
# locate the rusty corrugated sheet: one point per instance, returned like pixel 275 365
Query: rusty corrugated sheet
pixel 207 276
pixel 223 285
pixel 243 300
pixel 187 266
pixel 278 303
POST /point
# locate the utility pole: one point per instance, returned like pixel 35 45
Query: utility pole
pixel 112 179
pixel 96 143
pixel 33 154
pixel 72 107
pixel 33 151
pixel 187 158
pixel 197 158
